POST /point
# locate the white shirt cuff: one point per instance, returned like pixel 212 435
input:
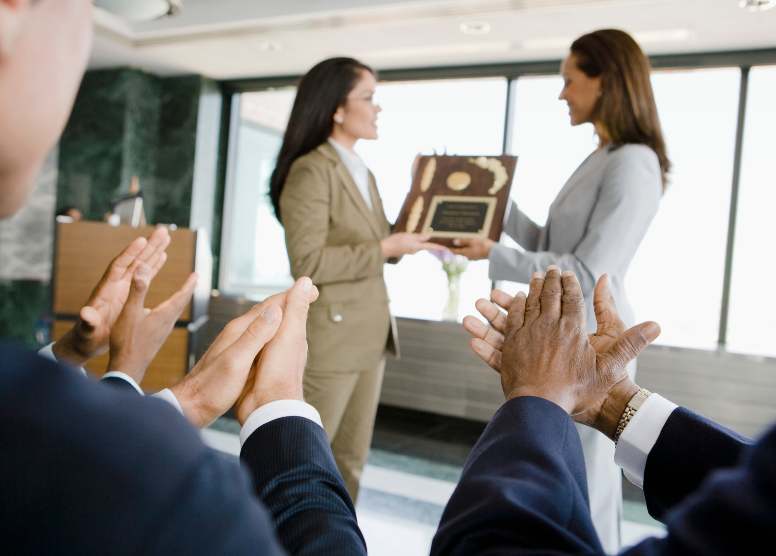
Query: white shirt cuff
pixel 276 410
pixel 639 437
pixel 48 353
pixel 122 376
pixel 170 398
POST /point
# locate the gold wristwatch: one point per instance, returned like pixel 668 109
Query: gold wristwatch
pixel 633 406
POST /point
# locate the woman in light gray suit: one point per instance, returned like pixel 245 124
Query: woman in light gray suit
pixel 597 221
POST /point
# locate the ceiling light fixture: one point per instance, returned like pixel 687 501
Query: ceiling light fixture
pixel 475 28
pixel 757 5
pixel 141 10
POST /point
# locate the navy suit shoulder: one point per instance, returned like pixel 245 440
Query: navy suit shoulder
pixel 689 447
pixel 89 470
pixel 302 488
pixel 734 509
pixel 523 489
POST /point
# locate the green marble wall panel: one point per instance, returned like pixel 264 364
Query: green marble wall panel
pixel 22 304
pixel 175 156
pixel 126 123
pixel 92 145
pixel 142 114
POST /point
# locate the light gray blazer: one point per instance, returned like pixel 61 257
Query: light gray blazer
pixel 594 226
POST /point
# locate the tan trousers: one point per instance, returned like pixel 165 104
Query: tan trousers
pixel 347 403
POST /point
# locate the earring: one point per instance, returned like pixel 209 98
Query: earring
pixel 600 94
pixel 339 120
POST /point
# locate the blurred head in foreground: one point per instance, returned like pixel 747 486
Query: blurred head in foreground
pixel 44 48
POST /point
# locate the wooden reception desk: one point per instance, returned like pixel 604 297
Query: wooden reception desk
pixel 83 252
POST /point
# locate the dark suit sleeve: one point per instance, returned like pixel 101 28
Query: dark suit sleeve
pixel 120 384
pixel 92 470
pixel 689 447
pixel 295 475
pixel 523 489
pixel 733 511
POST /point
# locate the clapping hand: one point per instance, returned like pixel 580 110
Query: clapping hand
pixel 277 372
pixel 541 349
pixel 219 378
pixel 90 335
pixel 139 333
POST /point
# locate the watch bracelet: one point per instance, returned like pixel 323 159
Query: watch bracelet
pixel 630 410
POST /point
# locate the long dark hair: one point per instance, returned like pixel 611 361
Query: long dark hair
pixel 626 108
pixel 324 89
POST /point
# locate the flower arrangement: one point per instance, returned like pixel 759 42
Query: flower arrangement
pixel 453 265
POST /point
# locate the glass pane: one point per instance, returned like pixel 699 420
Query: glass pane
pixel 751 328
pixel 677 274
pixel 257 260
pixel 464 117
pixel 548 151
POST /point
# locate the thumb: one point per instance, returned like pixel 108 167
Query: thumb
pixel 606 316
pixel 297 305
pixel 141 279
pixel 88 322
pixel 630 344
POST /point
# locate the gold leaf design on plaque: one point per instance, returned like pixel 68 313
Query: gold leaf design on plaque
pixel 458 181
pixel 414 218
pixel 493 165
pixel 428 175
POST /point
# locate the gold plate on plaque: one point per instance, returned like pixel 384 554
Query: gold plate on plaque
pixel 458 181
pixel 453 216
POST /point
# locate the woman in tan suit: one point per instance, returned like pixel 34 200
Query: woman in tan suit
pixel 338 235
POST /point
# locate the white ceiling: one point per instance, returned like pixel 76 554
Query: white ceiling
pixel 229 38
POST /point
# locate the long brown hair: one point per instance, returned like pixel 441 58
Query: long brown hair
pixel 626 109
pixel 321 91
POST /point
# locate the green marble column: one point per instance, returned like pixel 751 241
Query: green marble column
pixel 126 123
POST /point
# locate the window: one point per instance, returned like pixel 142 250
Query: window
pixel 750 326
pixel 457 117
pixel 698 112
pixel 548 151
pixel 254 260
pixel 676 277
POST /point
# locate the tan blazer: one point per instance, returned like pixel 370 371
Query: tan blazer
pixel 333 237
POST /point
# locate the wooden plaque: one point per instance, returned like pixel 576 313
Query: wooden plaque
pixel 458 197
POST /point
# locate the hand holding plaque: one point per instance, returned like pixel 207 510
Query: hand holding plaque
pixel 458 197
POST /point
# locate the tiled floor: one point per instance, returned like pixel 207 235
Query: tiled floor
pixel 415 462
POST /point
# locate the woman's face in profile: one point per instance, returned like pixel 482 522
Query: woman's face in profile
pixel 359 114
pixel 580 92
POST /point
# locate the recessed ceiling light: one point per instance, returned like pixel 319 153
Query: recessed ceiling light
pixel 757 5
pixel 475 28
pixel 270 46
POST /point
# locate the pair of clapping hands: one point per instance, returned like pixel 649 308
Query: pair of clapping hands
pixel 258 358
pixel 541 347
